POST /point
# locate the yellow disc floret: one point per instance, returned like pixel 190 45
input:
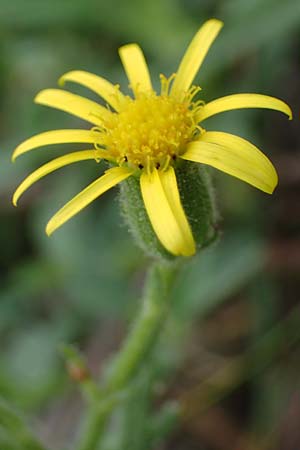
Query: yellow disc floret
pixel 149 131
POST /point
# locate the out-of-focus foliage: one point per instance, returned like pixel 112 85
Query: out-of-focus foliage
pixel 82 285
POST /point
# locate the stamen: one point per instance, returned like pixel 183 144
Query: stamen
pixel 149 165
pixel 98 146
pixel 166 163
pixel 192 92
pixel 96 129
pixel 165 83
pixel 97 157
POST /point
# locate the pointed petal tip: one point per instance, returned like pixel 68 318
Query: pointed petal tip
pixel 274 185
pixel 216 22
pixel 126 46
pixel 286 109
pixel 42 95
pixel 188 252
pixel 270 190
pixel 64 78
pixel 49 230
pixel 51 226
pixel 15 199
pixel 39 96
pixel 61 80
pixel 17 152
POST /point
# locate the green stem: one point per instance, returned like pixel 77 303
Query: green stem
pixel 15 427
pixel 139 343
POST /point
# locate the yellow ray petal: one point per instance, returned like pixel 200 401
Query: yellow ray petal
pixel 194 56
pixel 169 184
pixel 136 68
pixel 55 137
pixel 235 156
pixel 73 104
pixel 53 165
pixel 108 180
pixel 239 101
pixel 233 141
pixel 102 87
pixel 162 203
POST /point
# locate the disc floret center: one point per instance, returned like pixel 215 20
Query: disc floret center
pixel 150 131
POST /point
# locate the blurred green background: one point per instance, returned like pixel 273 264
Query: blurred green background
pixel 235 323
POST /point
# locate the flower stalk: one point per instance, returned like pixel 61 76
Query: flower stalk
pixel 138 346
pixel 15 427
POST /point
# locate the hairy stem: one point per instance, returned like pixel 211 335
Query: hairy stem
pixel 17 429
pixel 138 345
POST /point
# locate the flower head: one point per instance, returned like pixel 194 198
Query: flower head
pixel 147 135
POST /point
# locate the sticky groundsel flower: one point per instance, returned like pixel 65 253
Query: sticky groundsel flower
pixel 146 136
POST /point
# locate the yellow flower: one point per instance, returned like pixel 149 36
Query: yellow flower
pixel 145 136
